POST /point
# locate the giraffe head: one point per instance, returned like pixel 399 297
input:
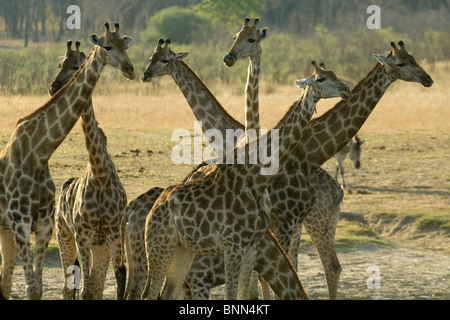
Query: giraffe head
pixel 324 84
pixel 113 50
pixel 247 43
pixel 355 151
pixel 162 61
pixel 401 65
pixel 68 64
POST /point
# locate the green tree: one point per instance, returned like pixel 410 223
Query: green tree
pixel 230 12
pixel 180 25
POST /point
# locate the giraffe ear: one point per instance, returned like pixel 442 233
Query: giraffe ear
pixel 301 83
pixel 263 33
pixel 94 39
pixel 383 59
pixel 127 40
pixel 180 56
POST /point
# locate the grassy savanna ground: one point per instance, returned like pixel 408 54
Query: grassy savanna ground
pixel 400 196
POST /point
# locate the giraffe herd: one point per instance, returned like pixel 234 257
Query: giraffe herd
pixel 225 223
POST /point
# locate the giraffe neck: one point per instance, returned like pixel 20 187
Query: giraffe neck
pixel 203 103
pixel 279 143
pixel 48 126
pixel 252 96
pixel 285 282
pixel 329 133
pixel 95 140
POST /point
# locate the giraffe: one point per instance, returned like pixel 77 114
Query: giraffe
pixel 353 149
pixel 24 160
pixel 325 205
pixel 98 197
pixel 160 65
pixel 284 191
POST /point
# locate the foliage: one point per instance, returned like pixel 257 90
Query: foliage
pixel 230 13
pixel 180 25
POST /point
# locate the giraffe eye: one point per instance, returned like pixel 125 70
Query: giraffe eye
pixel 401 64
pixel 251 40
pixel 76 67
pixel 165 61
pixel 107 48
pixel 320 80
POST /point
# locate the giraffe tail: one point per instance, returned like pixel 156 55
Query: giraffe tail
pixel 121 271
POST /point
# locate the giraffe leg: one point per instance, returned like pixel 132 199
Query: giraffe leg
pixel 21 227
pixel 137 263
pixel 203 276
pixel 9 256
pixel 159 258
pixel 177 272
pixel 323 240
pixel 233 267
pixel 248 280
pixel 120 271
pixel 67 252
pixel 100 261
pixel 43 230
pixel 84 254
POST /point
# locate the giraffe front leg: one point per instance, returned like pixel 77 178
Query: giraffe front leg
pixel 9 256
pixel 248 280
pixel 21 228
pixel 233 267
pixel 324 242
pixel 43 230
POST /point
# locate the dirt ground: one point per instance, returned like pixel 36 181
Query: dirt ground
pixel 406 271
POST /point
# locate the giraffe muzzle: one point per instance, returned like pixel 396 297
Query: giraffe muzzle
pixel 229 59
pixel 345 93
pixel 427 81
pixel 128 71
pixel 146 76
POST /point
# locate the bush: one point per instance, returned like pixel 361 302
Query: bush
pixel 180 25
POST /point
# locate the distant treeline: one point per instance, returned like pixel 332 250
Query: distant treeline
pixel 334 32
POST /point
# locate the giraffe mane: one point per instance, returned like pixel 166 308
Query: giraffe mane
pixel 56 96
pixel 103 135
pixel 289 112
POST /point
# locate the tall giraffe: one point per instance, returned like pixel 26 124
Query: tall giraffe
pixel 248 39
pixel 91 205
pixel 289 204
pixel 353 149
pixel 24 160
pixel 326 205
pixel 160 65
